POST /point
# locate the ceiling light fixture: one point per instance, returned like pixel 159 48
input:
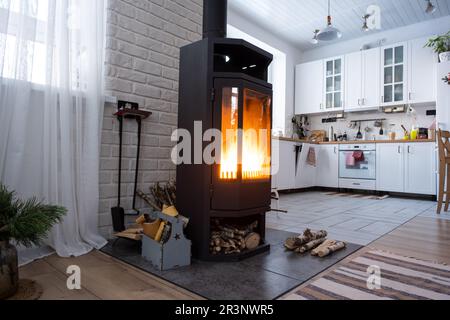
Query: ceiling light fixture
pixel 430 7
pixel 365 27
pixel 314 40
pixel 330 33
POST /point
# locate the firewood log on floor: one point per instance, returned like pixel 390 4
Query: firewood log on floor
pixel 293 244
pixel 328 247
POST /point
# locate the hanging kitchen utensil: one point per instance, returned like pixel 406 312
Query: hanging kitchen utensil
pixel 359 135
pixel 381 129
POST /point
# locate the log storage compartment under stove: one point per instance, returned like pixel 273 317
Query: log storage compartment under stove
pixel 223 85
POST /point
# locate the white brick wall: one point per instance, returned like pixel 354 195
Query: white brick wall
pixel 142 58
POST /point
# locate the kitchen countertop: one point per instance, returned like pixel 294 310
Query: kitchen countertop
pixel 354 142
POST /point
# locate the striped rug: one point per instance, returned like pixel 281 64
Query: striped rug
pixel 401 278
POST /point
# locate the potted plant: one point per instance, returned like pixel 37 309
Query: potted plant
pixel 27 222
pixel 441 45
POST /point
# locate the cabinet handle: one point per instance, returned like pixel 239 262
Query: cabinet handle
pixel 410 96
pixel 409 149
pixel 356 184
pixel 382 99
pixel 321 106
pixel 335 150
pixel 399 150
pixel 359 102
pixel 364 101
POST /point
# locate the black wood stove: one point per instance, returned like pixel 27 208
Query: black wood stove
pixel 223 85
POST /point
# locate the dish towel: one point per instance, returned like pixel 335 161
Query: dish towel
pixel 358 156
pixel 311 158
pixel 350 159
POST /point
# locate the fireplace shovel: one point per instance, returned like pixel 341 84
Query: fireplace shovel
pixel 118 213
pixel 127 110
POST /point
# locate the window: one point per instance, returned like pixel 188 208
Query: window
pixel 277 77
pixel 31 45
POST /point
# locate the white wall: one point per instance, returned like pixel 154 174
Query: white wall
pixel 293 57
pixel 431 27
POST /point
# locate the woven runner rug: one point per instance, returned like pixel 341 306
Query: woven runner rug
pixel 401 278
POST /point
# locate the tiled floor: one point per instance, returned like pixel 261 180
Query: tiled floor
pixel 356 220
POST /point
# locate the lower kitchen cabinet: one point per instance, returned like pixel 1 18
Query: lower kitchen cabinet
pixel 305 176
pixel 390 164
pixel 327 166
pixel 283 165
pixel 409 168
pixel 420 168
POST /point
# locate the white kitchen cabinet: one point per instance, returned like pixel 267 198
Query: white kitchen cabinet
pixel 354 81
pixel 275 163
pixel 422 72
pixel 394 75
pixel 334 78
pixel 407 167
pixel 327 166
pixel 371 78
pixel 285 178
pixel 390 167
pixel 309 88
pixel 362 76
pixel 305 176
pixel 420 168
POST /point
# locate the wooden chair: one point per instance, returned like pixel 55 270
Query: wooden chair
pixel 444 170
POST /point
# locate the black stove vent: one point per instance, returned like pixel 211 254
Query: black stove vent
pixel 215 18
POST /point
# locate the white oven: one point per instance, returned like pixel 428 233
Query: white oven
pixel 357 166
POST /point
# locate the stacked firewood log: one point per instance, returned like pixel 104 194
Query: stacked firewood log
pixel 227 239
pixel 161 195
pixel 316 242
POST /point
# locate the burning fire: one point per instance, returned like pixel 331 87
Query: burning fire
pixel 256 153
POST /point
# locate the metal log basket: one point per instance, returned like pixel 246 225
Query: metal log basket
pixel 175 252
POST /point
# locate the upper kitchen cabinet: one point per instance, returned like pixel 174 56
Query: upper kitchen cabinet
pixel 334 84
pixel 362 78
pixel 422 72
pixel 309 88
pixel 353 80
pixel 394 74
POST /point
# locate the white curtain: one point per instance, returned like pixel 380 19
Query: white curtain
pixel 51 102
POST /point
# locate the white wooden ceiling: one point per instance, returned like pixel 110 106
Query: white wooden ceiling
pixel 296 20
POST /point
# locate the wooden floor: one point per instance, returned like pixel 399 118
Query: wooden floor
pixel 103 277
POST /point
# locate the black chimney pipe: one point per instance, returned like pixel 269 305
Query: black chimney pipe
pixel 215 13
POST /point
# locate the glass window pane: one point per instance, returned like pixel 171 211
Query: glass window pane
pixel 256 153
pixel 388 57
pixel 398 92
pixel 329 68
pixel 337 83
pixel 399 54
pixel 388 75
pixel 388 94
pixel 337 100
pixel 330 84
pixel 337 66
pixel 399 73
pixel 230 123
pixel 329 103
